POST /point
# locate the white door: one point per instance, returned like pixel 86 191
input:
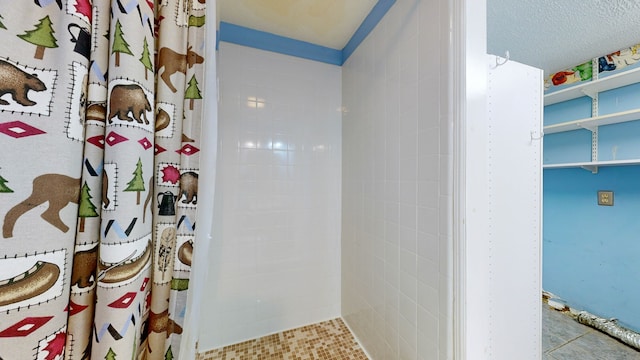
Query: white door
pixel 514 173
pixel 497 210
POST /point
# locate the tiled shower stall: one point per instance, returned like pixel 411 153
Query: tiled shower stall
pixel 396 221
pixel 333 192
pixel 278 197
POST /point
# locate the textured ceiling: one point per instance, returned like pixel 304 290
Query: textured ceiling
pixel 556 34
pixel 329 23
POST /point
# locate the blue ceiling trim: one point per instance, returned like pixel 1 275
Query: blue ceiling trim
pixel 369 23
pixel 241 35
pixel 266 41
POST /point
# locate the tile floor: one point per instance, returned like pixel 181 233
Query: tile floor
pixel 322 341
pixel 563 338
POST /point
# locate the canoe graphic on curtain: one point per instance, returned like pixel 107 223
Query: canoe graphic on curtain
pixel 100 111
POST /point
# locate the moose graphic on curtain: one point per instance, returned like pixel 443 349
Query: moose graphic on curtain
pixel 100 113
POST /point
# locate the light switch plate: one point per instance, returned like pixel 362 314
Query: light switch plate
pixel 605 198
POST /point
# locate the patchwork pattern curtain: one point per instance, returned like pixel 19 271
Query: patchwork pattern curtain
pixel 100 111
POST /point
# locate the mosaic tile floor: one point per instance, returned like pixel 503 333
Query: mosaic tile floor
pixel 326 340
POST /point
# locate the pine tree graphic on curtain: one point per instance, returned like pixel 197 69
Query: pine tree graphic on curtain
pixel 145 59
pixel 86 208
pixel 110 355
pixel 78 49
pixel 192 92
pixel 3 186
pixel 41 36
pixel 169 354
pixel 119 43
pixel 137 183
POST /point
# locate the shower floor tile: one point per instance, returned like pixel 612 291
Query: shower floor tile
pixel 325 340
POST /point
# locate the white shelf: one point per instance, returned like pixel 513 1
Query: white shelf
pixel 592 165
pixel 590 123
pixel 590 88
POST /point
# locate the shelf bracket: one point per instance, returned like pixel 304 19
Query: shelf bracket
pixel 592 168
pixel 593 129
pixel 594 147
pixel 590 93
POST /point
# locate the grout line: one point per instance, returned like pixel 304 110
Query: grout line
pixel 568 341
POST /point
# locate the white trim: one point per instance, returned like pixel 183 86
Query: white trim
pixel 207 176
pixel 470 233
pixel 458 113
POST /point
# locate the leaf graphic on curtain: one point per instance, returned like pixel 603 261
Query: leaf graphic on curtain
pixel 55 347
pixel 84 7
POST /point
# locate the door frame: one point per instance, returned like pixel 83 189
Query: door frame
pixel 470 331
pixel 471 294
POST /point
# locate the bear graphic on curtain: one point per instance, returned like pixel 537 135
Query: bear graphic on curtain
pixel 100 112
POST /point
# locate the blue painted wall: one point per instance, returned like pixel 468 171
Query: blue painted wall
pixel 592 253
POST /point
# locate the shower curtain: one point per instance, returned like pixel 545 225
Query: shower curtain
pixel 100 114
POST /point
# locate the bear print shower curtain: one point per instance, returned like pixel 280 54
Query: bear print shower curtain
pixel 100 112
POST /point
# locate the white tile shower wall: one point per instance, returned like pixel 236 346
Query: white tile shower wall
pixel 396 227
pixel 279 182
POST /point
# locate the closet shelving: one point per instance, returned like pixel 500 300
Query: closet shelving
pixel 592 89
pixel 592 122
pixel 593 165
